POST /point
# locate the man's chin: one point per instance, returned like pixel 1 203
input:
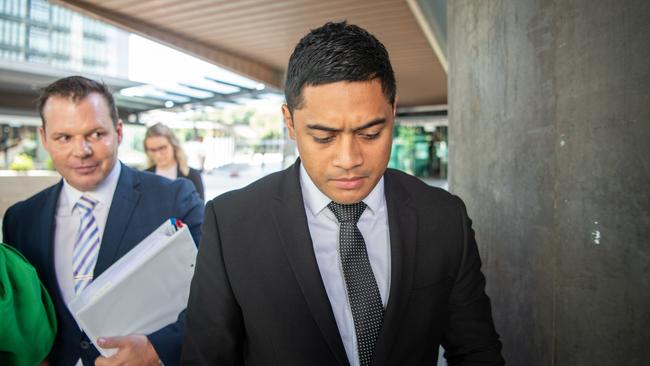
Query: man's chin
pixel 84 183
pixel 347 197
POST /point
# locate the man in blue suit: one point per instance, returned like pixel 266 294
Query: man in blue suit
pixel 71 232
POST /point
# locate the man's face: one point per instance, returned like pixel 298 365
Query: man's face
pixel 81 139
pixel 343 131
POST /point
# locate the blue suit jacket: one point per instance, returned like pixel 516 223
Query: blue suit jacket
pixel 142 201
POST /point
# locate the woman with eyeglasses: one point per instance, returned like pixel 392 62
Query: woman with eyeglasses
pixel 167 157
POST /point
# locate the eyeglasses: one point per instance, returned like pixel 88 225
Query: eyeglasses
pixel 158 149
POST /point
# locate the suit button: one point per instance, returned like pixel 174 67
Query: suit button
pixel 84 345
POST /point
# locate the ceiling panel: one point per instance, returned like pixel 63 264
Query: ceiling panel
pixel 256 37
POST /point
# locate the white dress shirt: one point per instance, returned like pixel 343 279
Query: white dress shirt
pixel 324 230
pixel 67 224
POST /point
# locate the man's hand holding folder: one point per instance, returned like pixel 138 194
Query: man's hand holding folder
pixel 131 347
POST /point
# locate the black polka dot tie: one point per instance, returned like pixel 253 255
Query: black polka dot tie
pixel 363 293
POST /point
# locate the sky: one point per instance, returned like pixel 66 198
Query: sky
pixel 154 63
pixel 158 65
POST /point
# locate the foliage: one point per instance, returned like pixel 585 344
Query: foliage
pixel 49 164
pixel 22 162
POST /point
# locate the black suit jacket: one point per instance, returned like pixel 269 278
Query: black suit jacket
pixel 142 201
pixel 257 297
pixel 193 175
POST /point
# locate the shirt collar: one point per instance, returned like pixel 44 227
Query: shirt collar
pixel 103 193
pixel 316 201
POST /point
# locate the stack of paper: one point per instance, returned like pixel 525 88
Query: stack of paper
pixel 143 291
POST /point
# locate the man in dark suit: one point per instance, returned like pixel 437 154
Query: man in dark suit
pixel 338 260
pixel 71 232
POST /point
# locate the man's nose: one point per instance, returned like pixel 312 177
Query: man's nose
pixel 82 148
pixel 349 154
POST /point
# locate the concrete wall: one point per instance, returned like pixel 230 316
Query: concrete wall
pixel 550 148
pixel 16 187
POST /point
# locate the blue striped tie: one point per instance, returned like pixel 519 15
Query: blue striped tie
pixel 86 246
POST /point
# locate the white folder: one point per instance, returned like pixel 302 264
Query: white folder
pixel 143 291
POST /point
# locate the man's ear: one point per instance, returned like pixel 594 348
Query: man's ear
pixel 41 131
pixel 395 106
pixel 119 129
pixel 288 121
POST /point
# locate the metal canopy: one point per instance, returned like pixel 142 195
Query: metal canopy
pixel 20 84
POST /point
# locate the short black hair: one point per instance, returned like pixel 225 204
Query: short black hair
pixel 337 52
pixel 76 88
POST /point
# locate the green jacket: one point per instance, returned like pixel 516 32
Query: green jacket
pixel 27 317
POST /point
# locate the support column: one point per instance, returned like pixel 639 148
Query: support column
pixel 549 135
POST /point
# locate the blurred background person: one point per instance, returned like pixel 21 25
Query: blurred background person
pixel 167 158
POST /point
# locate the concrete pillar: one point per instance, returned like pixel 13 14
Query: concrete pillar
pixel 549 135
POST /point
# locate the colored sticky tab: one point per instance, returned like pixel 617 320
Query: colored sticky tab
pixel 176 223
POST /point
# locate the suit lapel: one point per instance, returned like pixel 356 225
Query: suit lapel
pixel 402 222
pixel 45 237
pixel 124 201
pixel 296 240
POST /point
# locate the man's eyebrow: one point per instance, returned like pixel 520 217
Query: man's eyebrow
pixel 316 126
pixel 374 122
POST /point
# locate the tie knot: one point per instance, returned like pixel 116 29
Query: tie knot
pixel 347 213
pixel 86 203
